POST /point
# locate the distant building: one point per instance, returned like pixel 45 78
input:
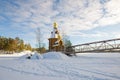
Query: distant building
pixel 55 41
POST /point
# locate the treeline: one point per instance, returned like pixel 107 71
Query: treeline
pixel 10 45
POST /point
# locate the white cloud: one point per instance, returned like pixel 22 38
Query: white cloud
pixel 113 13
pixel 71 15
pixel 96 34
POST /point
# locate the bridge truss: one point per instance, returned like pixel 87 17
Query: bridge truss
pixel 112 45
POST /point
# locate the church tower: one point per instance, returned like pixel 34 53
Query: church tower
pixel 55 41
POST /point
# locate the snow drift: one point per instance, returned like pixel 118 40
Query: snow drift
pixel 32 55
pixel 49 55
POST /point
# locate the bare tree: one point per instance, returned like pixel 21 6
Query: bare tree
pixel 39 38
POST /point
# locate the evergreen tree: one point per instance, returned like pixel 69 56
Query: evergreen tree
pixel 28 47
pixel 66 41
pixel 41 50
pixel 21 45
pixel 11 45
pixel 2 44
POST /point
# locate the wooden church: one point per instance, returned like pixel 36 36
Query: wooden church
pixel 55 41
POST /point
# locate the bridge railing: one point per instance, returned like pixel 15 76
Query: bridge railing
pixel 112 45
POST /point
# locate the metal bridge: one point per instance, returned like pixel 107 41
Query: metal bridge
pixel 112 45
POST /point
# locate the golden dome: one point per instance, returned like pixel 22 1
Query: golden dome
pixel 55 25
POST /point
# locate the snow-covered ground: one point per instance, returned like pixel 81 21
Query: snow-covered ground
pixel 57 66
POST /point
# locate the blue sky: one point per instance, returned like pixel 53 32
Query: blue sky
pixel 82 20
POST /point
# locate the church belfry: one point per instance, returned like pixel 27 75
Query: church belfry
pixel 55 41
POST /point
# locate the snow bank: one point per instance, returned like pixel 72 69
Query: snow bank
pixel 32 55
pixel 54 55
pixel 49 55
pixel 36 56
pixel 15 54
